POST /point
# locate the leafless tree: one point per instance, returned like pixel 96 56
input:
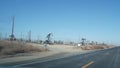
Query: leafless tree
pixel 83 41
pixel 48 41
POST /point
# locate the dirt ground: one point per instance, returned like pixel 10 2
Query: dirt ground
pixel 52 50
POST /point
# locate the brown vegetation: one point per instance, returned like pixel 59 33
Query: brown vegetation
pixel 12 48
pixel 94 47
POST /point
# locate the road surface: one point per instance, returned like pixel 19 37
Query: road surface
pixel 109 58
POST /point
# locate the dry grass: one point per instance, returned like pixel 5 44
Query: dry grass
pixel 94 47
pixel 12 48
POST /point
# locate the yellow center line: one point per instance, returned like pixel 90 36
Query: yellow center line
pixel 86 65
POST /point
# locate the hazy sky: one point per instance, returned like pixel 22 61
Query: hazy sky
pixel 97 20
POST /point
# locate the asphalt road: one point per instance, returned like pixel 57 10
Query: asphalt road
pixel 109 58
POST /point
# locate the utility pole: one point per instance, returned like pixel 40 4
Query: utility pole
pixel 5 35
pixel 29 36
pixel 12 37
pixel 38 38
pixel 21 37
pixel 0 36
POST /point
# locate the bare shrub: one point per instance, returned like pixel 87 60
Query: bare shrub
pixel 94 47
